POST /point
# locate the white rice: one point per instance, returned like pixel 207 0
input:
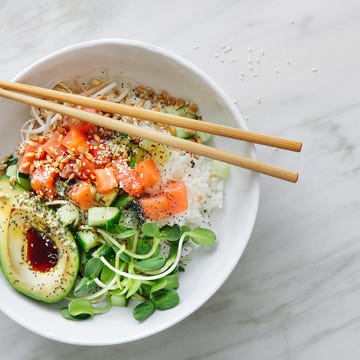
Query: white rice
pixel 205 191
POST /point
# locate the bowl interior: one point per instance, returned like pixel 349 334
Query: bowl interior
pixel 209 268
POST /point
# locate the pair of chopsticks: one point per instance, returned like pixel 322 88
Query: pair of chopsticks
pixel 154 116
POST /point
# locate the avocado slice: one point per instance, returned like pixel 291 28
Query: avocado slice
pixel 38 255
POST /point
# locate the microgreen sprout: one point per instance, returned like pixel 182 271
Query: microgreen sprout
pixel 129 264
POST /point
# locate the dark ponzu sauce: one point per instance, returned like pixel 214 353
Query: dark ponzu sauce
pixel 42 253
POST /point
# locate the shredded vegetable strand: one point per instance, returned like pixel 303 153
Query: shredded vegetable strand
pixel 144 256
pixel 57 202
pixel 135 240
pixel 36 116
pixel 104 90
pixel 117 265
pixel 132 254
pixel 103 285
pixel 110 239
pixel 102 291
pixel 48 122
pixel 163 268
pixel 33 131
pixel 123 94
pixel 153 277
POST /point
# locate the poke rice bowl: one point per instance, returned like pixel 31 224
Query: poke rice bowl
pixel 149 66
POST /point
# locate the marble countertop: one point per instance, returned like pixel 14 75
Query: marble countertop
pixel 291 68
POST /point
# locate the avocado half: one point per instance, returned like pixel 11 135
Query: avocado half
pixel 47 277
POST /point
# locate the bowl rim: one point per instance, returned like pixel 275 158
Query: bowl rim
pixel 255 182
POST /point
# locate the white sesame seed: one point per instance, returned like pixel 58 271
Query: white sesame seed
pixel 242 74
pixel 232 60
pixel 222 60
pixel 287 62
pixel 251 68
pixel 255 75
pixel 262 52
pixel 292 22
pixel 276 71
pixel 250 49
pixel 196 47
pixel 235 101
pixel 257 60
pixel 314 69
pixel 250 61
pixel 216 55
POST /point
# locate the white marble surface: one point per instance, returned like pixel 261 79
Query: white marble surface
pixel 295 293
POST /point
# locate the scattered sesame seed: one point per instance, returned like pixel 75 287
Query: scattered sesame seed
pixel 250 49
pixel 250 61
pixel 258 100
pixel 287 62
pixel 292 22
pixel 255 74
pixel 235 101
pixel 196 47
pixel 222 60
pixel 227 49
pixel 276 71
pixel 257 60
pixel 232 60
pixel 262 52
pixel 242 74
pixel 216 55
pixel 314 69
pixel 251 68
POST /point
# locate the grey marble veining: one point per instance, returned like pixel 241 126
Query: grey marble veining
pixel 295 293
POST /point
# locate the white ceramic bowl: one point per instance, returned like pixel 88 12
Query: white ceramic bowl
pixel 209 268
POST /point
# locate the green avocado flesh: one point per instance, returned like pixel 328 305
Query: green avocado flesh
pixel 23 217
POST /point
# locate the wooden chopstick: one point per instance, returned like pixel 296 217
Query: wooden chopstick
pixel 155 116
pixel 156 136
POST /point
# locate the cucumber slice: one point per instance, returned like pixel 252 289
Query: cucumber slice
pixel 170 110
pixel 23 180
pixel 68 214
pixel 122 200
pixel 103 217
pixel 220 169
pixel 159 153
pixel 87 239
pixel 202 136
pixel 129 219
pixel 184 133
pixel 183 111
pixel 11 170
pixel 103 250
pixel 107 199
